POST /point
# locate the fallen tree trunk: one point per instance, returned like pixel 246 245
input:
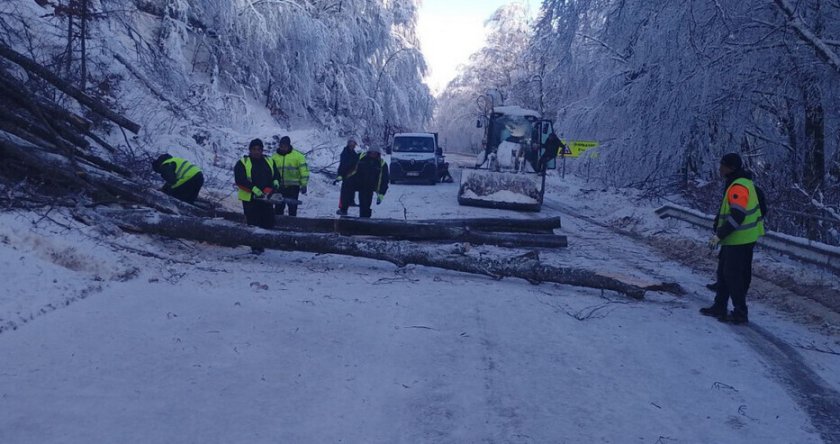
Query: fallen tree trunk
pixel 454 230
pixel 543 225
pixel 225 233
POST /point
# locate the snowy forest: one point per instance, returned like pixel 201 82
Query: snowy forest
pixel 666 89
pixel 341 65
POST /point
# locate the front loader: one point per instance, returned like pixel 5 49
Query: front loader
pixel 508 173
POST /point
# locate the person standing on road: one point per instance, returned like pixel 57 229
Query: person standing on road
pixel 346 169
pixel 293 172
pixel 183 180
pixel 552 147
pixel 371 179
pixel 739 225
pixel 256 178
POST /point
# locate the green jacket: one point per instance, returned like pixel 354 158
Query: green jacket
pixel 291 168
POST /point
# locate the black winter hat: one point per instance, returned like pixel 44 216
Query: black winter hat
pixel 256 142
pixel 157 163
pixel 732 161
pixel 285 140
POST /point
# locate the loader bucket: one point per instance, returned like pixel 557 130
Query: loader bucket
pixel 501 190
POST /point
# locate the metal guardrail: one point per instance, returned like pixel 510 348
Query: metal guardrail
pixel 803 249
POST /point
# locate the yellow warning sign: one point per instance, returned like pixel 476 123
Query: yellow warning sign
pixel 574 148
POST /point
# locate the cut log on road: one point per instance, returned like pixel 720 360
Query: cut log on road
pixel 454 230
pixel 542 225
pixel 226 233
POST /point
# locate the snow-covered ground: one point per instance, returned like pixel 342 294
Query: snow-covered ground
pixel 117 337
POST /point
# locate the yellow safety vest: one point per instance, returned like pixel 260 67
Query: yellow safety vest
pixel 752 227
pixel 184 170
pixel 292 168
pixel 246 161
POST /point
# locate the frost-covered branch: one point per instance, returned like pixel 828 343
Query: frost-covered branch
pixel 807 35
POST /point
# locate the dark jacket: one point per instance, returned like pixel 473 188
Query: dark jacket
pixel 347 162
pixel 261 175
pixel 552 146
pixel 167 172
pixel 371 174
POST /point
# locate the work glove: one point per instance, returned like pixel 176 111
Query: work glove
pixel 714 242
pixel 303 189
pixel 379 198
pixel 337 180
pixel 257 191
pixel 276 184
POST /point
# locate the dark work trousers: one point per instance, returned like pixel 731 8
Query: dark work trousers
pixel 290 192
pixel 365 200
pixel 734 275
pixel 347 196
pixel 258 214
pixel 188 190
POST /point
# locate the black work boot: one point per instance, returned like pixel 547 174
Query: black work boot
pixel 713 311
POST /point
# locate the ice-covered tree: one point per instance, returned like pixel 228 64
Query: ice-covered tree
pixel 670 88
pixel 500 67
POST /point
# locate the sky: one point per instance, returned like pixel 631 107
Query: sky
pixel 450 31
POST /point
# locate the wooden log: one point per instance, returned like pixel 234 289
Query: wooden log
pixel 95 105
pixel 221 232
pixel 12 121
pixel 52 109
pixel 542 225
pixel 450 230
pixel 42 138
pixel 54 112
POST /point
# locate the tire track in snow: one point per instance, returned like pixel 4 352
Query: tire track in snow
pixel 811 392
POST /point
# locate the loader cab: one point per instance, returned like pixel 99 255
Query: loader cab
pixel 415 158
pixel 515 137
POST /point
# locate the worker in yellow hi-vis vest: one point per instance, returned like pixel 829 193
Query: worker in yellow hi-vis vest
pixel 255 177
pixel 183 180
pixel 740 223
pixel 293 172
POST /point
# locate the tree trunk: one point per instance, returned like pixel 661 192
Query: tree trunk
pixel 83 19
pixel 225 233
pixel 814 174
pixel 474 231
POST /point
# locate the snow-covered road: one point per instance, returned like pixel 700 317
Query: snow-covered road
pixel 214 345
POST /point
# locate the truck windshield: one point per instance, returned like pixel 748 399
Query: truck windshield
pixel 414 145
